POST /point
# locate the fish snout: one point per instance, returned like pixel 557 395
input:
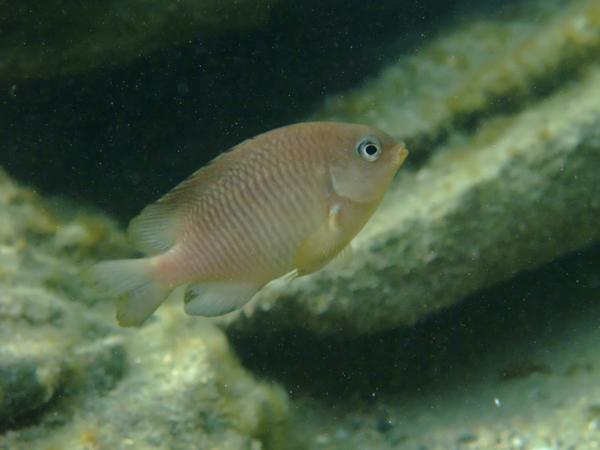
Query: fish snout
pixel 400 153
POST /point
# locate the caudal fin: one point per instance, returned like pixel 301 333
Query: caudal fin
pixel 134 282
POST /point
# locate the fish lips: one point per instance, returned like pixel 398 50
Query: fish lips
pixel 401 153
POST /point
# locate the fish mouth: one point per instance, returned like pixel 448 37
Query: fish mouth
pixel 401 153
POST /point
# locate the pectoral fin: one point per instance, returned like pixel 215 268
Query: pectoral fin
pixel 219 297
pixel 323 245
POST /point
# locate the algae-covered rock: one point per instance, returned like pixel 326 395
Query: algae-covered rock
pixel 487 62
pixel 69 378
pixel 40 324
pixel 183 388
pixel 519 192
pixel 55 37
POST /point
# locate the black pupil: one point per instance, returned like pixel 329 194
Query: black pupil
pixel 371 149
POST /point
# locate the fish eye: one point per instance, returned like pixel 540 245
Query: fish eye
pixel 369 148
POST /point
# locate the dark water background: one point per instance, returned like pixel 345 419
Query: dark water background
pixel 120 137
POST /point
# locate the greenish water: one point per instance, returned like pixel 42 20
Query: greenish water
pixel 466 315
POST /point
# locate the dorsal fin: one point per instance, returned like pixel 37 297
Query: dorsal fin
pixel 157 227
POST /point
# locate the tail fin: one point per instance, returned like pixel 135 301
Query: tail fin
pixel 134 282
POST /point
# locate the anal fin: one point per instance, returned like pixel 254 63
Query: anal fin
pixel 218 297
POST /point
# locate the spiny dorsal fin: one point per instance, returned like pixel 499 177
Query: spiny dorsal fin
pixel 156 228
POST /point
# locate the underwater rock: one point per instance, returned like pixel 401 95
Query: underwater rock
pixel 96 34
pixel 484 64
pixel 39 324
pixel 26 385
pixel 442 384
pixel 520 191
pixel 70 378
pixel 183 388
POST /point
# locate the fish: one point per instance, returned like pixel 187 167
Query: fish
pixel 283 202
